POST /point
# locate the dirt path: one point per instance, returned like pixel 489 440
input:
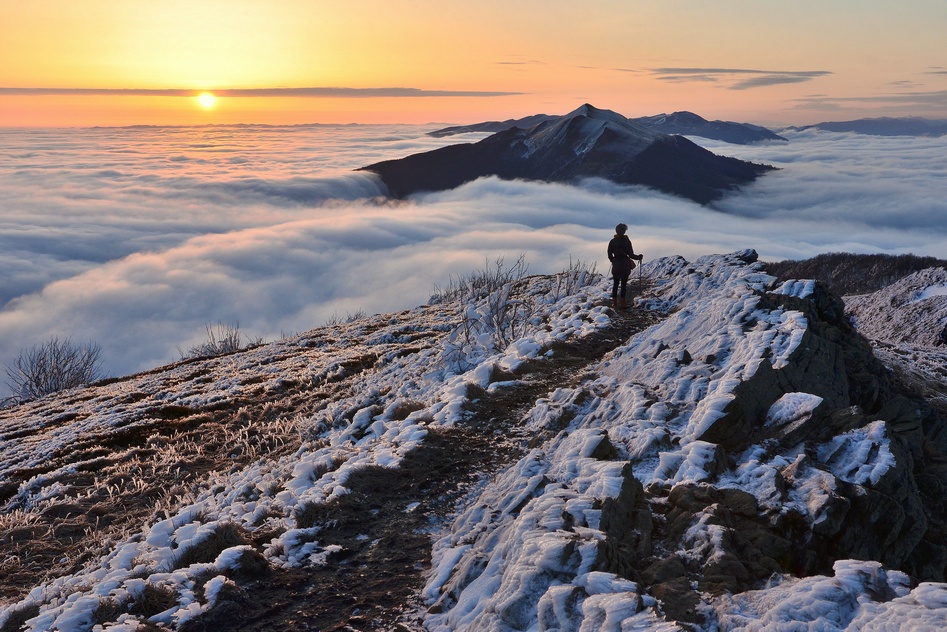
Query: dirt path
pixel 385 525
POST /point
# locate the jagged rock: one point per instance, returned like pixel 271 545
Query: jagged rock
pixel 679 600
pixel 831 362
pixel 664 570
pixel 628 527
pixel 604 450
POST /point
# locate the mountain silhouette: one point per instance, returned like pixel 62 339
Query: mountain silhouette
pixel 586 143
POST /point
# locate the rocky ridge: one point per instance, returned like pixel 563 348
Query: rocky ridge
pixel 768 443
pixel 718 462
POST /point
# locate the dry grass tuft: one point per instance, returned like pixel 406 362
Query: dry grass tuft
pixel 109 609
pixel 19 617
pixel 224 536
pixel 154 599
pixel 250 565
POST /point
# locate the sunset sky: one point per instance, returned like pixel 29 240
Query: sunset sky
pixel 121 62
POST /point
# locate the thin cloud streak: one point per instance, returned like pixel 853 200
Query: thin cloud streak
pixel 933 98
pixel 311 92
pixel 754 78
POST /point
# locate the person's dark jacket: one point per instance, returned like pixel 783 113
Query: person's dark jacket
pixel 621 254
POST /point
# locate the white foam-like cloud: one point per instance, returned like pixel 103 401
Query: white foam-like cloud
pixel 137 238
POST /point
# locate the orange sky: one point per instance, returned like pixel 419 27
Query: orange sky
pixel 97 62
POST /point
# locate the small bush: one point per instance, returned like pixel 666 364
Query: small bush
pixel 335 320
pixel 577 276
pixel 221 339
pixel 55 365
pixel 479 284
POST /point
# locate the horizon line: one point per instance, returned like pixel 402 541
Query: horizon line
pixel 306 92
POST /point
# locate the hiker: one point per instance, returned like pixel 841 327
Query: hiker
pixel 622 255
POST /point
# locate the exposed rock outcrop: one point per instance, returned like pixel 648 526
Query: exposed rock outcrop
pixel 768 441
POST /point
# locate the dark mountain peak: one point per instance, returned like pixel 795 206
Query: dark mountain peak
pixel 588 142
pixel 683 117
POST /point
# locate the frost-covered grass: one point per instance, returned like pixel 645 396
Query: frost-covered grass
pixel 244 443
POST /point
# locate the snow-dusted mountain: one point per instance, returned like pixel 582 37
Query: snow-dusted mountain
pixel 727 455
pixel 907 322
pixel 690 124
pixel 911 311
pixel 586 143
pixel 885 126
pixel 683 123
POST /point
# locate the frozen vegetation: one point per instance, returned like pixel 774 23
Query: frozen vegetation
pixel 738 461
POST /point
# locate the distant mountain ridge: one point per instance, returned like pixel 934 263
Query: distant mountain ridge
pixel 586 143
pixel 884 126
pixel 847 273
pixel 682 123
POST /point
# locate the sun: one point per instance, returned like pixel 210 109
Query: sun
pixel 206 100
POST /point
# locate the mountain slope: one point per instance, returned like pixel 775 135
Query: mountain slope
pixel 585 143
pixel 719 457
pixel 683 123
pixel 690 124
pixel 847 273
pixel 912 310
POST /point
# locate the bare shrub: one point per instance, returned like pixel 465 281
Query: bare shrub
pixel 496 307
pixel 55 365
pixel 222 338
pixel 481 283
pixel 574 278
pixel 492 310
pixel 335 320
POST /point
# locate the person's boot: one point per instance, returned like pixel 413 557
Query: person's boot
pixel 622 304
pixel 614 302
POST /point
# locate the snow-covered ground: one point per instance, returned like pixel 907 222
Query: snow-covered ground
pixel 548 542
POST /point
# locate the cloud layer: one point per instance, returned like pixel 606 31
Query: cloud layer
pixel 138 237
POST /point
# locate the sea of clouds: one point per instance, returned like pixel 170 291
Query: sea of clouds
pixel 137 238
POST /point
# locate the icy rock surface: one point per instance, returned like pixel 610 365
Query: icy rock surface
pixel 722 468
pixel 748 443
